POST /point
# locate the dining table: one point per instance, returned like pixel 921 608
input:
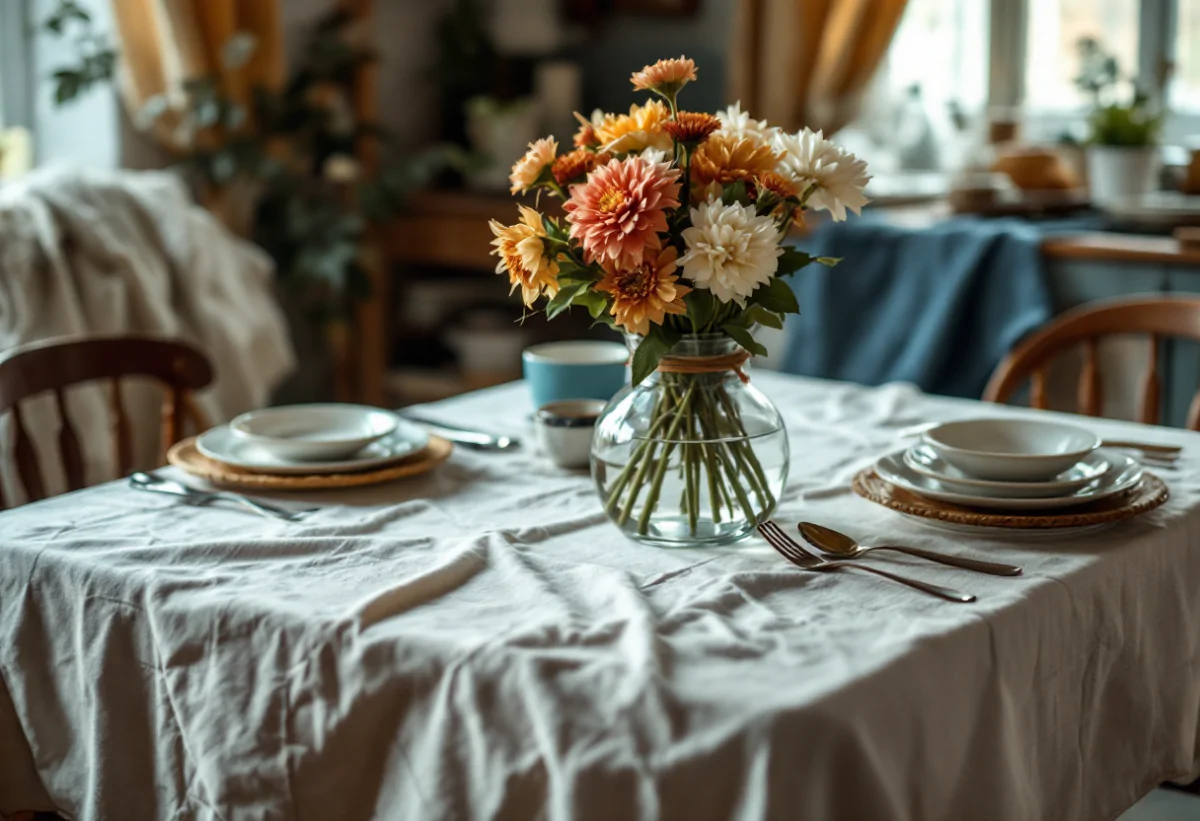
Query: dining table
pixel 482 643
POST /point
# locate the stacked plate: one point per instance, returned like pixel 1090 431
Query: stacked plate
pixel 310 447
pixel 1010 465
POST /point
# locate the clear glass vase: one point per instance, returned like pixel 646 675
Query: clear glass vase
pixel 690 458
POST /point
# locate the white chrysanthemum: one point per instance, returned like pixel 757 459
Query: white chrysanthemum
pixel 738 123
pixel 730 250
pixel 837 177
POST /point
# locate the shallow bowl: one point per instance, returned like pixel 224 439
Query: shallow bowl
pixel 1012 450
pixel 316 432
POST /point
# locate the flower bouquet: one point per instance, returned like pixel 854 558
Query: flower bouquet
pixel 674 233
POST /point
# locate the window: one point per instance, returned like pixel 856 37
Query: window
pixel 1053 31
pixel 1002 53
pixel 1185 84
pixel 936 48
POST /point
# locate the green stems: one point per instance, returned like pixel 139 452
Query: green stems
pixel 697 438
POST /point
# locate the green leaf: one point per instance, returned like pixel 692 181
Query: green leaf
pixel 792 260
pixel 701 307
pixel 595 302
pixel 758 315
pixel 742 337
pixel 776 296
pixel 570 271
pixel 735 192
pixel 653 347
pixel 828 262
pixel 562 300
pixel 67 86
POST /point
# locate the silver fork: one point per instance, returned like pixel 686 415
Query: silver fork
pixel 799 556
pixel 156 484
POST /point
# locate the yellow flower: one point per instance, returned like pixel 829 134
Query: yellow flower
pixel 523 254
pixel 641 128
pixel 527 169
pixel 646 292
pixel 723 158
pixel 666 76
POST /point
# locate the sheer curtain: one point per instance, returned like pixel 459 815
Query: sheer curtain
pixel 807 62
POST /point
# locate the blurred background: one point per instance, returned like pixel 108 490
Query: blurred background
pixel 365 145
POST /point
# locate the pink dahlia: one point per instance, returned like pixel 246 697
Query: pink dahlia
pixel 619 212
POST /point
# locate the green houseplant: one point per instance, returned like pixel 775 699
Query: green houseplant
pixel 1123 156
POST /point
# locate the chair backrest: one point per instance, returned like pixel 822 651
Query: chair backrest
pixel 1156 316
pixel 56 364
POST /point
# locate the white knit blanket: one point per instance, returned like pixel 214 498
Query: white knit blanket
pixel 90 252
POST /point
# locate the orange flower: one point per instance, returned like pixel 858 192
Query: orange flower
pixel 575 165
pixel 641 128
pixel 586 137
pixel 691 126
pixel 665 77
pixel 645 293
pixel 777 184
pixel 724 159
pixel 619 212
pixel 523 255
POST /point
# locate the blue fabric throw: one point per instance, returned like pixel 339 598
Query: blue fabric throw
pixel 938 306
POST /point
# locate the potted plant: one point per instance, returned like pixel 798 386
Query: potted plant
pixel 1123 155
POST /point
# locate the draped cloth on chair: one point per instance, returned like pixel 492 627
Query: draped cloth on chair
pixel 164 43
pixel 806 62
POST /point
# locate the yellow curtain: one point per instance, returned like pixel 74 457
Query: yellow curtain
pixel 806 62
pixel 165 42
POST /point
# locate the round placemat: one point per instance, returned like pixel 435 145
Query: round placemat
pixel 184 455
pixel 1149 494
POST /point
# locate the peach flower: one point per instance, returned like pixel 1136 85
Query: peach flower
pixel 645 293
pixel 665 77
pixel 525 171
pixel 523 255
pixel 618 213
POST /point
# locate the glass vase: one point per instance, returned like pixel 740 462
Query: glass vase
pixel 695 455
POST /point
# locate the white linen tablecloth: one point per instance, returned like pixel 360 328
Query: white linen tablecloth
pixel 481 644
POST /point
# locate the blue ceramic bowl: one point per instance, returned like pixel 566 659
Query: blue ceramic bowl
pixel 578 369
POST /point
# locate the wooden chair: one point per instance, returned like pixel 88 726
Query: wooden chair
pixel 1156 316
pixel 56 364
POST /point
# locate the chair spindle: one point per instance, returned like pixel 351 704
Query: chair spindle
pixel 68 445
pixel 1148 408
pixel 27 461
pixel 121 433
pixel 1037 391
pixel 1090 396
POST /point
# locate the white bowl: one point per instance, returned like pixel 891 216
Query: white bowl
pixel 1013 450
pixel 316 432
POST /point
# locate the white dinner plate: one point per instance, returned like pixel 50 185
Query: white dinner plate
pixel 924 460
pixel 1125 472
pixel 1021 534
pixel 221 444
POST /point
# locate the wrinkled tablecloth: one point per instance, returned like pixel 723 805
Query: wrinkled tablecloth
pixel 480 643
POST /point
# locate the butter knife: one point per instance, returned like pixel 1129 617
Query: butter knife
pixel 475 439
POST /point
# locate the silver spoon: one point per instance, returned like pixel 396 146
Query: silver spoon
pixel 834 543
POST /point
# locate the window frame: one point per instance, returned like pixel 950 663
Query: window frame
pixel 16 82
pixel 1157 24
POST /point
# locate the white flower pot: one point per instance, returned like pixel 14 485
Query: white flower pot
pixel 1117 173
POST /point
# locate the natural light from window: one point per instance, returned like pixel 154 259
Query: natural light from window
pixel 941 46
pixel 1185 85
pixel 1054 30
